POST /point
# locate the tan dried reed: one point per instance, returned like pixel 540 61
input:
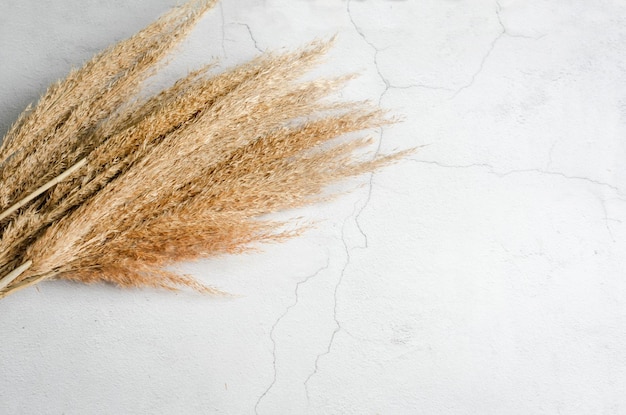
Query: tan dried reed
pixel 130 186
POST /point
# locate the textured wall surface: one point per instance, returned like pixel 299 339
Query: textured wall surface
pixel 486 275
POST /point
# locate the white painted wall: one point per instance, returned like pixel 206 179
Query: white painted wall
pixel 484 276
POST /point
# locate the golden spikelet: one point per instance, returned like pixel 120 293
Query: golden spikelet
pixel 184 174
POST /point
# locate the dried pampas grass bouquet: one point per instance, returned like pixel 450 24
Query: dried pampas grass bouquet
pixel 101 184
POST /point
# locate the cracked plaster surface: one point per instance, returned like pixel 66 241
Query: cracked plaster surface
pixel 485 274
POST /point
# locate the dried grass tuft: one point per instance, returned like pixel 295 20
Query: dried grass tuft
pixel 185 174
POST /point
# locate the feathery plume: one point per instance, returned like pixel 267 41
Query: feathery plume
pixel 99 185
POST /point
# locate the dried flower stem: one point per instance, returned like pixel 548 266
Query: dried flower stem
pixel 29 282
pixel 42 189
pixel 11 276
